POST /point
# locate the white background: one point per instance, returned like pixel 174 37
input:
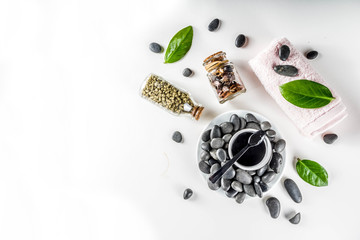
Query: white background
pixel 82 156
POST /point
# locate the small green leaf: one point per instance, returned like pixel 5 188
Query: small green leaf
pixel 306 94
pixel 179 45
pixel 312 173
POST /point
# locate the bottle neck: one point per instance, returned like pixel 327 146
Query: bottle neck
pixel 196 112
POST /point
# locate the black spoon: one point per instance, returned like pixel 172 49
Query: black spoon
pixel 255 139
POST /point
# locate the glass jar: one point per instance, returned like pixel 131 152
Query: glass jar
pixel 167 96
pixel 223 77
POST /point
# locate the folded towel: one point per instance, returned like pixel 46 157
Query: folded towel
pixel 310 122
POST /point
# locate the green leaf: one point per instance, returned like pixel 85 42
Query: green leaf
pixel 306 94
pixel 179 45
pixel 312 172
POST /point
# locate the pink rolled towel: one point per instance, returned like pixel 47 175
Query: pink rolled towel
pixel 310 122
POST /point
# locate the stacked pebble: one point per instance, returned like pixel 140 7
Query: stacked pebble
pixel 237 183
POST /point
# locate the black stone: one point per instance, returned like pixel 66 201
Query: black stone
pixel 231 193
pixel 228 68
pixel 274 207
pixel 293 190
pixel 280 145
pixel 295 219
pixel 187 193
pixel 253 125
pixel 206 135
pixel 264 186
pixel 330 138
pixel 235 121
pixel 251 118
pixel 204 167
pixel 214 25
pixel 206 146
pixel 311 55
pixel 276 162
pixel 155 47
pixel 240 40
pixel 284 52
pixel 286 70
pixel 258 190
pixel 215 132
pixel 213 161
pixel 177 137
pixel 187 72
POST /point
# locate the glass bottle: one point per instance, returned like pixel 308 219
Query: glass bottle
pixel 223 77
pixel 167 96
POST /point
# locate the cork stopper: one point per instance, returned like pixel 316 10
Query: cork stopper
pixel 196 112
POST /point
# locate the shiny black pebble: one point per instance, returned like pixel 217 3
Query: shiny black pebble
pixel 312 55
pixel 286 70
pixel 284 52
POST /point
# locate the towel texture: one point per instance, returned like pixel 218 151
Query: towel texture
pixel 310 122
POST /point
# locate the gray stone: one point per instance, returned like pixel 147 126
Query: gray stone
pixel 268 177
pixel 252 173
pixel 249 189
pixel 231 193
pixel 274 207
pixel 240 197
pixel 235 120
pixel 265 126
pixel 177 137
pixel 214 25
pixel 204 167
pixel 229 174
pixel 330 138
pixel 261 171
pixel 155 47
pixel 214 168
pixel 264 186
pixel 286 70
pixel 226 127
pixel 258 190
pixel 206 135
pixel 217 143
pixel 237 186
pixel 226 146
pixel 206 146
pixel 253 125
pixel 293 190
pixel 221 154
pixel 225 184
pixel 256 178
pixel 284 52
pixel 270 133
pixel 240 40
pixel 213 154
pixel 242 123
pixel 251 118
pixel 295 219
pixel 227 137
pixel 243 176
pixel 204 155
pixel 187 72
pixel 214 186
pixel 187 193
pixel 213 161
pixel 215 132
pixel 280 145
pixel 276 162
pixel 312 55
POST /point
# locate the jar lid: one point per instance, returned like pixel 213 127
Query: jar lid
pixel 213 55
